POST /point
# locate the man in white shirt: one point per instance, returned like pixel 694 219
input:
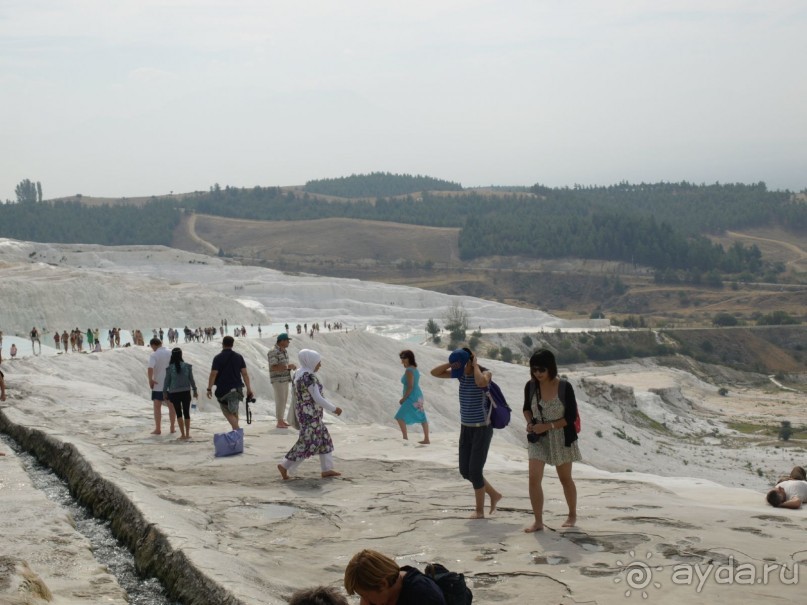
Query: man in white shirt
pixel 790 493
pixel 158 364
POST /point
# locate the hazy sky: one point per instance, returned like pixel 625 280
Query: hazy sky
pixel 142 97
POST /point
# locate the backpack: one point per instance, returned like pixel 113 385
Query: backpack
pixel 562 397
pixel 451 583
pixel 498 410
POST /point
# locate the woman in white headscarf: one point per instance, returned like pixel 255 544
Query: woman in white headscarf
pixel 309 405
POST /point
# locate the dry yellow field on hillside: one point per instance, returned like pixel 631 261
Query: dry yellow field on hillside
pixel 335 240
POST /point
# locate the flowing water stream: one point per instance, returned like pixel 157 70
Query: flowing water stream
pixel 105 547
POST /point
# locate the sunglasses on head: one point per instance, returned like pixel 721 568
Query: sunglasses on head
pixel 540 370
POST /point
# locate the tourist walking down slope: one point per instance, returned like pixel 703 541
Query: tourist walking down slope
pixel 280 377
pixel 177 389
pixel 475 431
pixel 158 362
pixel 411 403
pixel 229 374
pixel 550 409
pixel 309 403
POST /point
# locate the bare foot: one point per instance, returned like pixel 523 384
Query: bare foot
pixel 283 472
pixel 281 425
pixel 494 500
pixel 476 515
pixel 570 521
pixel 156 432
pixel 173 430
pixel 331 474
pixel 534 527
pixel 425 442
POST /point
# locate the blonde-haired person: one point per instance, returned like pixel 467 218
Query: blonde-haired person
pixel 378 580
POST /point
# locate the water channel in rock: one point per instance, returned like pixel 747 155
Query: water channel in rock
pixel 106 549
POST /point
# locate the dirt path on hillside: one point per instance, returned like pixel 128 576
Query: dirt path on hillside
pixel 799 263
pixel 190 229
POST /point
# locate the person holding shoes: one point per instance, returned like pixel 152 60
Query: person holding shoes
pixel 411 403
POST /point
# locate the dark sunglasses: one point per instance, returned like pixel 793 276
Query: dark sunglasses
pixel 539 370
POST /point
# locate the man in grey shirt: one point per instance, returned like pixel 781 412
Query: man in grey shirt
pixel 280 377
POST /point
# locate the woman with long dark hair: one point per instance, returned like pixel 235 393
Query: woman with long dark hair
pixel 550 409
pixel 177 389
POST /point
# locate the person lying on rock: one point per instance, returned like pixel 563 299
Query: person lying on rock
pixel 790 492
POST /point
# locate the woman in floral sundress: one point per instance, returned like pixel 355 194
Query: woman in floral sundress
pixel 550 417
pixel 309 404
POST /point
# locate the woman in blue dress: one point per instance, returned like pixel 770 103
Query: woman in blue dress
pixel 411 410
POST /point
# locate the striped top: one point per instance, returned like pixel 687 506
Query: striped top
pixel 472 401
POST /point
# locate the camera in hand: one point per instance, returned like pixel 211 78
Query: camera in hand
pixel 535 437
pixel 250 399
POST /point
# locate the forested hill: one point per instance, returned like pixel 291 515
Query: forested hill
pixel 661 225
pixel 378 184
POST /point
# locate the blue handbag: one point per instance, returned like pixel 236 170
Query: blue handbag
pixel 228 444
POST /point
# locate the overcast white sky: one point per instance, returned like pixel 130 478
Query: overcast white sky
pixel 142 97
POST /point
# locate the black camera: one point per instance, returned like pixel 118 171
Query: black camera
pixel 251 399
pixel 535 437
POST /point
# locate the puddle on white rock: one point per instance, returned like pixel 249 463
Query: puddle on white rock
pixel 266 512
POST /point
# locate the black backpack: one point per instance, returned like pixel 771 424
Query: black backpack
pixel 451 583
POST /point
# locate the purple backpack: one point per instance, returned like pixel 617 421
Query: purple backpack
pixel 498 410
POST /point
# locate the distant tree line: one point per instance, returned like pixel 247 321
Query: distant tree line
pixel 659 225
pixel 378 184
pixel 70 222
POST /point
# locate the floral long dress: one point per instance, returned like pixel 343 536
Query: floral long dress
pixel 314 437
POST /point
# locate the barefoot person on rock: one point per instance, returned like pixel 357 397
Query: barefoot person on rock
pixel 411 403
pixel 550 416
pixel 475 431
pixel 158 363
pixel 309 404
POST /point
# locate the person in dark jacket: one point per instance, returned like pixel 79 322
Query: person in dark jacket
pixel 378 580
pixel 177 389
pixel 550 414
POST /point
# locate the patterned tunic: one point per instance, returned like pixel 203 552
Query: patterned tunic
pixel 314 437
pixel 552 448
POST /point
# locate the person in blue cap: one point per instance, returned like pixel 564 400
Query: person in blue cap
pixel 475 431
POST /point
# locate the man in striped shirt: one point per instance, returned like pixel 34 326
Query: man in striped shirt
pixel 475 431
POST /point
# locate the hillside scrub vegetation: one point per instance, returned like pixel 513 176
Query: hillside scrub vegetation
pixel 72 222
pixel 378 184
pixel 661 225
